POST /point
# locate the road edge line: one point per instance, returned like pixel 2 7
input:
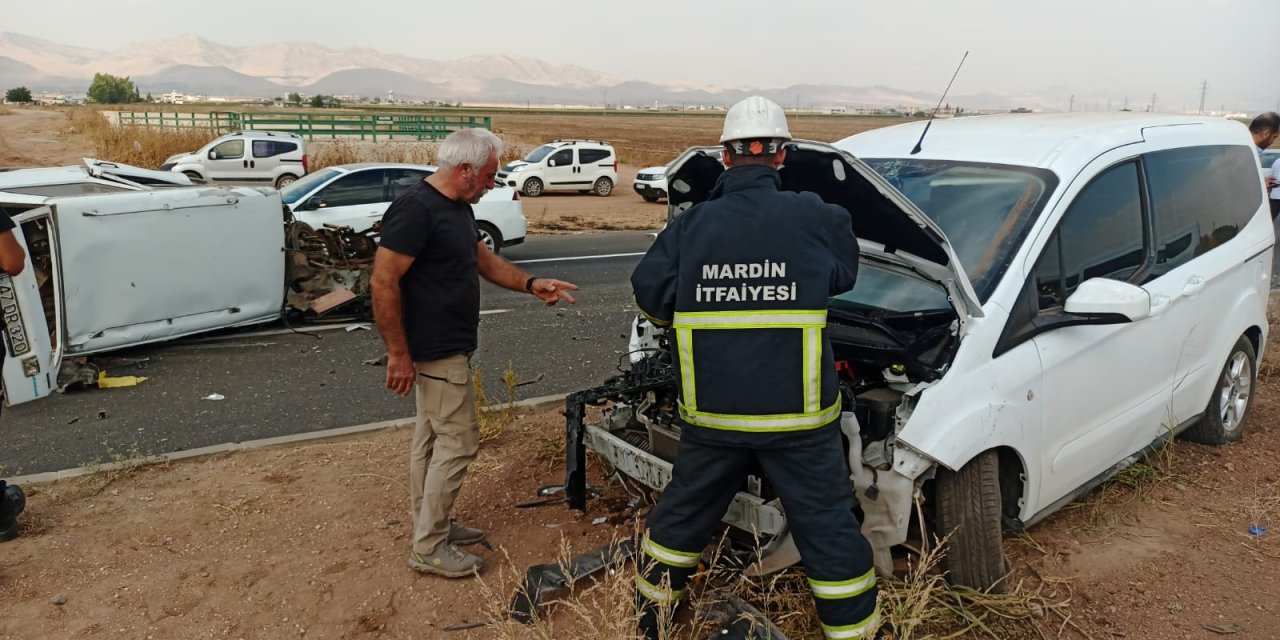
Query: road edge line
pixel 532 404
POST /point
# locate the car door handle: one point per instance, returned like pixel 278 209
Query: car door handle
pixel 1159 304
pixel 1194 285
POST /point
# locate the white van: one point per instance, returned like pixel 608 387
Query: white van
pixel 271 157
pixel 1041 300
pixel 583 166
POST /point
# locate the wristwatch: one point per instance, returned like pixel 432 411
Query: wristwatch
pixel 528 284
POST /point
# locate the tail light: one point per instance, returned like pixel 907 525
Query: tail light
pixel 615 165
pixel 304 163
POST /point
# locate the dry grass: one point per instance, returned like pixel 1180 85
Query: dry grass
pixel 5 111
pixel 138 146
pixel 494 418
pixel 657 139
pixel 919 606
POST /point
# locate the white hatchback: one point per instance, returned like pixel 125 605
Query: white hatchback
pixel 357 195
pixel 1041 300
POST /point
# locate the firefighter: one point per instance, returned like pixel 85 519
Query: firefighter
pixel 742 280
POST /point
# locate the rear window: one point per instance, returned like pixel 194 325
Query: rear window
pixel 270 148
pixel 587 156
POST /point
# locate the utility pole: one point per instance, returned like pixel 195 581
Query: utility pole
pixel 1204 89
pixel 1152 108
pixel 1126 104
pixel 1071 103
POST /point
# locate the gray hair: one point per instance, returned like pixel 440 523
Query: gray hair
pixel 469 146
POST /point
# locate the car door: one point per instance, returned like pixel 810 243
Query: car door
pixel 1103 384
pixel 561 171
pixel 1203 198
pixel 265 158
pixel 143 266
pixel 227 161
pixel 29 319
pixel 356 200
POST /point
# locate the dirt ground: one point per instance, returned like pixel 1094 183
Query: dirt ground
pixel 310 541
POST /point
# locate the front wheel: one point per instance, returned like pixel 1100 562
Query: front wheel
pixel 1224 419
pixel 532 187
pixel 285 180
pixel 490 236
pixel 602 187
pixel 968 509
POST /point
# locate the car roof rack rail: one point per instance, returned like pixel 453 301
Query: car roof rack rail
pixel 576 140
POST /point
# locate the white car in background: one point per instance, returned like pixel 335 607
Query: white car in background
pixel 651 183
pixel 357 195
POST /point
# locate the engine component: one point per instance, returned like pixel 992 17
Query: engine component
pixel 875 409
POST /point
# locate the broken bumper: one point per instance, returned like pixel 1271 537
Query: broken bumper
pixel 746 512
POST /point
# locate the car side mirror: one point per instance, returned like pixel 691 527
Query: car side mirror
pixel 313 203
pixel 551 163
pixel 1107 301
pixel 213 154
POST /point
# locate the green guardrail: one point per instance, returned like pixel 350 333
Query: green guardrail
pixel 312 125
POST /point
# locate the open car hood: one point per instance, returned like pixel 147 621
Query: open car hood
pixel 134 175
pixel 891 230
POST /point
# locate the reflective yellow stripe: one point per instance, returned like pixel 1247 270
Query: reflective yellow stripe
pixel 670 557
pixel 684 343
pixel 773 319
pixel 656 594
pixel 812 367
pixel 828 590
pixel 761 423
pixel 865 629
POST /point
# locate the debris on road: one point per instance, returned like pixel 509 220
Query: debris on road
pixel 102 415
pixel 118 382
pixel 734 619
pixel 376 362
pixel 358 327
pixel 214 396
pixel 331 300
pixel 59 599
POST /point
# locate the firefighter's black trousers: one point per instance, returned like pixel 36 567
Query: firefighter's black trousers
pixel 809 473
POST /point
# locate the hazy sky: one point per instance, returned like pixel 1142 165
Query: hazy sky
pixel 1102 47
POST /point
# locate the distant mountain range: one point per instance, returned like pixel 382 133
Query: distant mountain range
pixel 194 65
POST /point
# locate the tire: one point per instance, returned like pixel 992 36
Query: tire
pixel 285 180
pixel 1227 412
pixel 532 187
pixel 967 507
pixel 490 235
pixel 603 187
pixel 649 198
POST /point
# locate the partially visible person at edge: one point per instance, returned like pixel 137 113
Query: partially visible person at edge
pixel 426 299
pixel 12 260
pixel 1265 129
pixel 782 414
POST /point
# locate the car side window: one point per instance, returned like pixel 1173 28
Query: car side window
pixel 361 187
pixel 561 158
pixel 229 150
pixel 271 148
pixel 401 180
pixel 1100 236
pixel 1200 198
pixel 588 156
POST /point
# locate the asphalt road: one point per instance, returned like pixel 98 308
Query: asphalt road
pixel 277 382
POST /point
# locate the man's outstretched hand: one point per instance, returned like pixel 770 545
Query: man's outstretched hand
pixel 552 291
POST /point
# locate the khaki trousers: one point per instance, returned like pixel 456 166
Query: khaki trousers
pixel 445 440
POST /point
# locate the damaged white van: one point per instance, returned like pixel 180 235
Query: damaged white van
pixel 1041 300
pixel 115 262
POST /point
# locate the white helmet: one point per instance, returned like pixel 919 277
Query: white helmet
pixel 755 118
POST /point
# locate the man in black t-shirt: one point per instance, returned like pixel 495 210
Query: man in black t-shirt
pixel 426 298
pixel 12 259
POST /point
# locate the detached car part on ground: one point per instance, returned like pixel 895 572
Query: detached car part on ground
pixel 128 267
pixel 1013 347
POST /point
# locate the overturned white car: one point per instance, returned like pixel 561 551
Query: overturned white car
pixel 1041 300
pixel 114 261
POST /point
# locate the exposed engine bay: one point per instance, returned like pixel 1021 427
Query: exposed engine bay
pixel 882 361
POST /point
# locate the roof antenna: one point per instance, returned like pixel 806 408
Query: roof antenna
pixel 935 109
